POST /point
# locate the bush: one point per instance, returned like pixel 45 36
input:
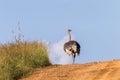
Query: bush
pixel 20 57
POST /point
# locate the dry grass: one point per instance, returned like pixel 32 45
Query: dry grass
pixel 20 57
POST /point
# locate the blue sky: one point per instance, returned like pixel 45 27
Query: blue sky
pixel 95 24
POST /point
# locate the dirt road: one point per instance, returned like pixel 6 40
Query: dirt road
pixel 109 70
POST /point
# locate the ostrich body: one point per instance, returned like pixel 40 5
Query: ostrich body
pixel 72 47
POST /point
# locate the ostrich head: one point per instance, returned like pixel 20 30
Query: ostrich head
pixel 69 30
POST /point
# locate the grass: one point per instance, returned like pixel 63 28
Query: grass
pixel 18 58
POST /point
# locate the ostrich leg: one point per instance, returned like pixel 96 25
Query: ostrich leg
pixel 73 55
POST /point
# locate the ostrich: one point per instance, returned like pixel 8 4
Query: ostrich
pixel 72 47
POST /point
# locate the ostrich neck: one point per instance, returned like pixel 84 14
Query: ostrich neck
pixel 69 36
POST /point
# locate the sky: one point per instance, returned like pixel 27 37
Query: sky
pixel 95 25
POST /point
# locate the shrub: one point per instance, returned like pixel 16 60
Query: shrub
pixel 20 57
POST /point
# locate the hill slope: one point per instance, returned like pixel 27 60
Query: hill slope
pixel 109 70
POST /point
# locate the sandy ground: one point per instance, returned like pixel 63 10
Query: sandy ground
pixel 109 70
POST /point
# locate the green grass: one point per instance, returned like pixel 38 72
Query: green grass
pixel 18 58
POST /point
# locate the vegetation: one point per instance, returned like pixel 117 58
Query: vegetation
pixel 18 58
